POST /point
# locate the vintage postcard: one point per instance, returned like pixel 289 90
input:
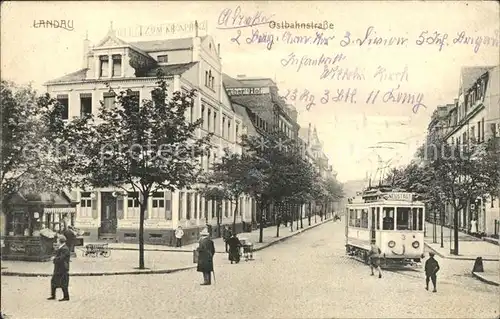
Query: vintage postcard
pixel 252 159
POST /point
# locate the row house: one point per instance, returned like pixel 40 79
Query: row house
pixel 475 117
pixel 257 101
pixel 188 63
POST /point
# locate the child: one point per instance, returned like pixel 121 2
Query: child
pixel 431 269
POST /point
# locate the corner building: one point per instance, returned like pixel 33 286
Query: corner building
pixel 188 63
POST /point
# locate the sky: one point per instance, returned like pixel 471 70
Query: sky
pixel 353 131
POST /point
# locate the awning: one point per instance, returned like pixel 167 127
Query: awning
pixel 59 210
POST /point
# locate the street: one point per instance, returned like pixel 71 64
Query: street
pixel 307 276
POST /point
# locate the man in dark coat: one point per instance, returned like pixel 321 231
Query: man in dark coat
pixel 206 252
pixel 60 277
pixel 431 269
pixel 234 249
pixel 226 234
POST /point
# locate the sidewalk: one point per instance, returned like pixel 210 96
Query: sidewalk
pixel 158 259
pixel 469 247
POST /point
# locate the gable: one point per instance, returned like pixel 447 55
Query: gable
pixel 110 41
pixel 209 45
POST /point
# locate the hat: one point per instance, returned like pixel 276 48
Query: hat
pixel 62 238
pixel 431 253
pixel 204 232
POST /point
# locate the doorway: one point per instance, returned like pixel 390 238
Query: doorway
pixel 108 214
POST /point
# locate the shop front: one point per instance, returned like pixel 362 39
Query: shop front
pixel 32 225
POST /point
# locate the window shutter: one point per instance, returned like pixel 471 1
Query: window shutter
pixel 168 205
pixel 94 207
pixel 119 208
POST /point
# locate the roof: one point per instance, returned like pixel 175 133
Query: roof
pixel 262 105
pixel 242 111
pixel 165 45
pixel 173 69
pixel 231 82
pixel 168 70
pixel 469 75
pixel 79 75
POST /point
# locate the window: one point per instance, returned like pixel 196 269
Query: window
pixel 158 203
pixel 418 216
pixel 229 129
pixel 493 129
pixel 104 65
pixel 136 96
pixel 181 199
pixel 352 217
pixel 223 126
pixel 203 116
pixel 206 78
pixel 163 58
pixel 404 220
pixel 189 197
pixel 191 113
pixel 237 134
pixel 378 218
pixel 108 100
pixel 209 128
pixel 364 218
pixel 213 208
pixel 85 204
pixel 215 123
pixel 133 205
pixel 473 133
pixel 117 65
pixel 64 101
pixel 196 206
pixel 210 79
pixel 208 161
pixel 481 135
pixel 85 104
pixel 388 218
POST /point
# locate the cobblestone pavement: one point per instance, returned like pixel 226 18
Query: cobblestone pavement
pixel 307 276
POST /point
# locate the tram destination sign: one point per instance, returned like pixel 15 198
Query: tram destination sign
pixel 407 197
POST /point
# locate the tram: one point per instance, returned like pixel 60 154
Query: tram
pixel 391 219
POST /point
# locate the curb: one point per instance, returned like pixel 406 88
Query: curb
pixel 151 272
pixel 291 235
pixel 483 279
pixel 491 240
pixel 160 250
pixel 457 257
pixel 93 274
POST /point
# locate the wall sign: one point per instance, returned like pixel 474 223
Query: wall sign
pixel 408 197
pixel 247 91
pixel 165 29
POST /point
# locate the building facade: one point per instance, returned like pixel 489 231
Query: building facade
pixel 187 63
pixel 475 117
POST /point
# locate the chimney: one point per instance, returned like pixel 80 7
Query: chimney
pixel 196 28
pixel 86 47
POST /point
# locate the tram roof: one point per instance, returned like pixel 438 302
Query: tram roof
pixel 387 203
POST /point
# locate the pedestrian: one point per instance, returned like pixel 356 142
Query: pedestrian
pixel 70 233
pixel 473 226
pixel 226 234
pixel 206 252
pixel 179 233
pixel 234 249
pixel 431 269
pixel 60 277
pixel 374 259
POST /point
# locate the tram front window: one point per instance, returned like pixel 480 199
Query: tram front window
pixel 403 219
pixel 388 218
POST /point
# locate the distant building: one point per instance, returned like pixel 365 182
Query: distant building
pixel 188 63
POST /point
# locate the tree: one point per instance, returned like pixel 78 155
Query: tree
pixel 146 147
pixel 31 154
pixel 453 174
